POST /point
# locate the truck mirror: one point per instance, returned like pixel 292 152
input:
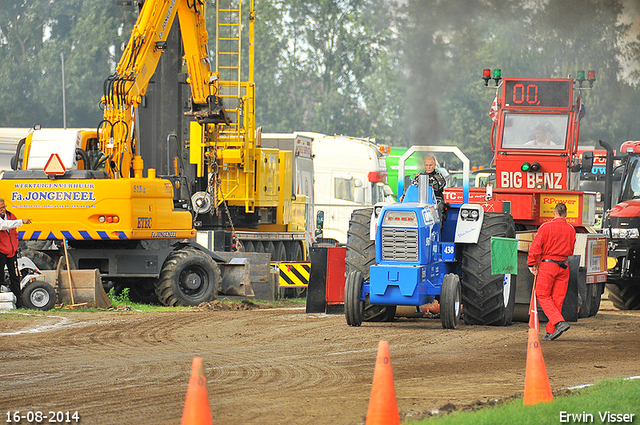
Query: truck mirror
pixel 319 220
pixel 587 161
pixel 13 163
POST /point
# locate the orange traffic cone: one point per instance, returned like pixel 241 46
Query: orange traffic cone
pixel 196 407
pixel 536 382
pixel 383 407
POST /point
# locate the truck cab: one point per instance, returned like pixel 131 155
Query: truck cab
pixel 350 173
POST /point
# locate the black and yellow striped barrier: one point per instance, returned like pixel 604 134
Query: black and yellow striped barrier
pixel 293 274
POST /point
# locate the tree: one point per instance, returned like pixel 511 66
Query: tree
pixel 329 66
pixel 34 34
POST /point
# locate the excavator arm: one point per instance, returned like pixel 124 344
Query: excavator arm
pixel 124 90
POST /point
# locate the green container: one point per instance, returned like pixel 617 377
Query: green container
pixel 412 166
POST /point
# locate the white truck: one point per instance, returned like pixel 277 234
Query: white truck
pixel 349 173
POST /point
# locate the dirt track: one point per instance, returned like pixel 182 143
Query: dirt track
pixel 282 366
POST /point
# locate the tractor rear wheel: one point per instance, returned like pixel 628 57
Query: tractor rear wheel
pixel 353 305
pixel 625 296
pixel 488 299
pixel 361 254
pixel 450 297
pixel 188 277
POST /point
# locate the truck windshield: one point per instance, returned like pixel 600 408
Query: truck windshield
pixel 631 185
pixel 535 131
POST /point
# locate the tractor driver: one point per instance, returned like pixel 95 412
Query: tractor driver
pixel 9 246
pixel 436 181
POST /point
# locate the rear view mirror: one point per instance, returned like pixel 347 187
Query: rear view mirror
pixel 587 161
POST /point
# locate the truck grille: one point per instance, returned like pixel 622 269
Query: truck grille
pixel 399 244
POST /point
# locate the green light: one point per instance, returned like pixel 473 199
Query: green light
pixel 580 75
pixel 497 73
pixel 525 167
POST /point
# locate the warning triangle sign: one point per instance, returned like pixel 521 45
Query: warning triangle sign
pixel 54 165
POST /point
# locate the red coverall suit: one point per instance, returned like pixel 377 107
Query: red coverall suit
pixel 555 240
pixel 8 251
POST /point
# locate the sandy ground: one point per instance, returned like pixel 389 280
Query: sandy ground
pixel 282 366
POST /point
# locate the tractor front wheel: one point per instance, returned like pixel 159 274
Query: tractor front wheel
pixel 450 297
pixel 353 305
pixel 361 254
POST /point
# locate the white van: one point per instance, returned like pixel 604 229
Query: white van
pixel 350 173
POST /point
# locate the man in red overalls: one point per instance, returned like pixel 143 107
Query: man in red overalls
pixel 547 259
pixel 9 247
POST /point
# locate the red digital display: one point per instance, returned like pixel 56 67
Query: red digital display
pixel 538 93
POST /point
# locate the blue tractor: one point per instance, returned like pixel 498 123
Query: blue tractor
pixel 406 254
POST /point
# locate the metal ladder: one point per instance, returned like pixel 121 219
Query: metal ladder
pixel 239 134
pixel 229 56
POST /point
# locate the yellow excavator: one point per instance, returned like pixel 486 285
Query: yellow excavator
pixel 87 188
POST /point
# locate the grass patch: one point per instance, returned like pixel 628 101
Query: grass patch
pixel 122 302
pixel 589 405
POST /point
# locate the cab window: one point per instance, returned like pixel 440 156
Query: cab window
pixel 535 131
pixel 344 189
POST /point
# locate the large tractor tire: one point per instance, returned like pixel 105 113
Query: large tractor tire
pixel 488 299
pixel 41 260
pixel 361 254
pixel 625 296
pixel 188 277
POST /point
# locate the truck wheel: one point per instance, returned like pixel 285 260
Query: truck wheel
pixel 295 251
pixel 38 295
pixel 248 246
pixel 41 260
pixel 143 291
pixel 591 303
pixel 450 296
pixel 625 296
pixel 361 254
pixel 281 252
pixel 188 277
pixel 271 249
pixel 595 297
pixel 488 299
pixel 353 306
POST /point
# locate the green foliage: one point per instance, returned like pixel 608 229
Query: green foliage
pixel 614 396
pixel 119 299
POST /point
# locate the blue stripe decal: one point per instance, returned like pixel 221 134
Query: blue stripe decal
pixel 84 234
